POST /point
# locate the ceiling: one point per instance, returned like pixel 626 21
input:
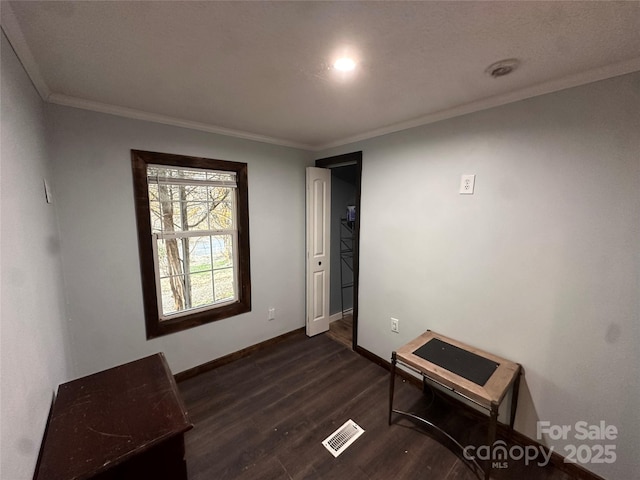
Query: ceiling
pixel 263 70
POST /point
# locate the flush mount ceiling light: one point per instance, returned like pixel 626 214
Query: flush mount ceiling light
pixel 344 64
pixel 502 68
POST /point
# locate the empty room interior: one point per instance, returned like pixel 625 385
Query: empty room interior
pixel 231 231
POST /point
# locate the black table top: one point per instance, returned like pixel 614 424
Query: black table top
pixel 466 364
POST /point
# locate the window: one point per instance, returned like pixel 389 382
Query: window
pixel 193 236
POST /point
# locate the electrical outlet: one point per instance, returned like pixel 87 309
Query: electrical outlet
pixel 467 183
pixel 395 327
pixel 272 314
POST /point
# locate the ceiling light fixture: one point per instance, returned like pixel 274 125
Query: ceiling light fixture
pixel 502 68
pixel 344 64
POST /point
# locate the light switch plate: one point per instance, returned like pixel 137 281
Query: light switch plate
pixel 467 183
pixel 395 325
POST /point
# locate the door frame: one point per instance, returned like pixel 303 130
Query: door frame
pixel 354 158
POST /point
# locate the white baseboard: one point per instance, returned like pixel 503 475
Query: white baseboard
pixel 338 316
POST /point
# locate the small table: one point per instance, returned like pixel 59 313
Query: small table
pixel 478 376
pixel 127 422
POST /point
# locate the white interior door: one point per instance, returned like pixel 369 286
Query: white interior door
pixel 318 245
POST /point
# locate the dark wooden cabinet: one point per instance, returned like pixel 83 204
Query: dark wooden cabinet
pixel 127 422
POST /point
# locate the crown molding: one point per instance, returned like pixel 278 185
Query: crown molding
pixel 13 32
pixel 75 102
pixel 551 86
pixel 583 78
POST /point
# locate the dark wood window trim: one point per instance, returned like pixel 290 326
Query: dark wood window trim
pixel 154 327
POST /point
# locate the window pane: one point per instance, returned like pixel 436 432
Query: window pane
pixel 224 284
pixel 174 222
pixel 156 217
pixel 153 193
pixel 169 213
pixel 176 208
pixel 201 289
pixel 172 300
pixel 194 193
pixel 199 254
pixel 167 193
pixel 222 251
pixel 170 257
pixel 169 217
pixel 221 208
pixel 163 263
pixel 197 215
pixel 202 286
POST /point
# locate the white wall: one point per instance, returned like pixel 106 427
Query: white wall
pixel 540 266
pixel 92 166
pixel 34 345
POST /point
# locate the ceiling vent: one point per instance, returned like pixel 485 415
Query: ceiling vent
pixel 503 67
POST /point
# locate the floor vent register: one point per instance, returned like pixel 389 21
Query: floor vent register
pixel 340 440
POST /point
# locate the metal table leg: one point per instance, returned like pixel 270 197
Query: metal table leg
pixel 514 397
pixel 392 383
pixel 491 438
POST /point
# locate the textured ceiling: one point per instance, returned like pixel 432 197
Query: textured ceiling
pixel 262 69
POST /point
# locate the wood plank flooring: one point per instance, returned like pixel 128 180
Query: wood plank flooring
pixel 342 330
pixel 265 416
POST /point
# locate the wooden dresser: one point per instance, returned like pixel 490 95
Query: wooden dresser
pixel 127 422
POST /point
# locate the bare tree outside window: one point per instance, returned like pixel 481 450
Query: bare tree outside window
pixel 194 271
pixel 197 233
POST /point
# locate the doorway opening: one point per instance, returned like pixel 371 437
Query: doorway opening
pixel 345 233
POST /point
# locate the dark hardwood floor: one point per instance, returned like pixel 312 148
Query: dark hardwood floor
pixel 342 330
pixel 265 416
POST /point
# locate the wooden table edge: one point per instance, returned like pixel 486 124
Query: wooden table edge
pixel 488 395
